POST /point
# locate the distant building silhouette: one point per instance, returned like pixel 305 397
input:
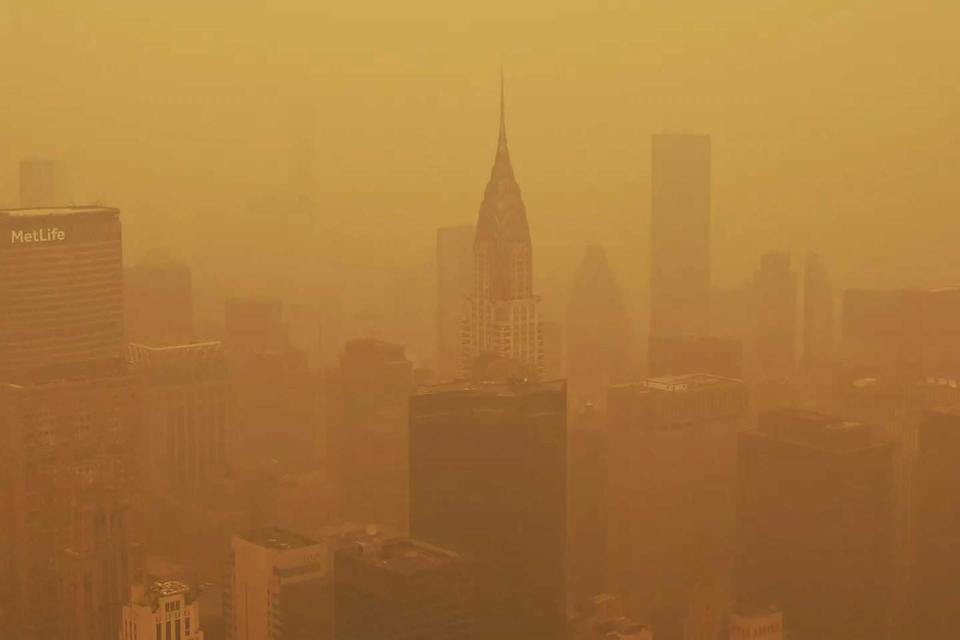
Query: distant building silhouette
pixel 502 319
pixel 672 477
pixel 62 277
pixel 185 439
pixel 775 336
pixel 761 624
pixel 680 236
pixel 391 587
pixel 551 337
pixel 276 584
pixel 818 314
pixel 597 338
pixel 367 431
pixel 162 609
pixel 588 465
pixel 602 618
pixel 159 302
pixel 488 479
pixel 815 524
pixel 42 183
pixel 454 286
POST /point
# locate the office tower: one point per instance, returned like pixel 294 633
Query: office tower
pixel 367 425
pixel 936 586
pixel 708 609
pixel 276 582
pixel 183 395
pixel 42 183
pixel 162 610
pixel 488 479
pixel 387 588
pixel 676 356
pixel 587 503
pixel 761 624
pixel 68 430
pixel 502 318
pixel 672 477
pixel 596 332
pixel 776 316
pixel 159 302
pixel 680 236
pixel 818 328
pixel 815 524
pixel 940 332
pixel 62 281
pixel 454 285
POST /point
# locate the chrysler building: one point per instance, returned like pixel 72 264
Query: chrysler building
pixel 502 318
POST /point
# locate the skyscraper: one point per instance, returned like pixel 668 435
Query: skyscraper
pixel 367 431
pixel 165 610
pixel 61 277
pixel 672 481
pixel 596 332
pixel 680 236
pixel 815 524
pixel 68 429
pixel 159 302
pixel 488 480
pixel 42 183
pixel 776 316
pixel 392 587
pixel 454 285
pixel 502 320
pixel 818 326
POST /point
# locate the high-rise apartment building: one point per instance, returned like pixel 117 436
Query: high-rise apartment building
pixel 815 524
pixel 275 585
pixel 680 236
pixel 390 587
pixel 61 285
pixel 454 286
pixel 502 320
pixel 671 493
pixel 162 610
pixel 488 480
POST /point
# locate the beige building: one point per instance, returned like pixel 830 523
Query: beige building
pixel 759 625
pixel 163 610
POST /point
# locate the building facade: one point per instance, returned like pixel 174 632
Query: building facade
pixel 502 319
pixel 488 480
pixel 162 610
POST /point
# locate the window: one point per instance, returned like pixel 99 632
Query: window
pixel 169 636
pixel 186 627
pixel 159 634
pixel 177 627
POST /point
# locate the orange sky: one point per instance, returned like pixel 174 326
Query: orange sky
pixel 835 124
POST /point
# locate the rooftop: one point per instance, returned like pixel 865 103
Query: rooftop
pixel 276 538
pixel 502 389
pixel 683 382
pixel 399 554
pixel 57 211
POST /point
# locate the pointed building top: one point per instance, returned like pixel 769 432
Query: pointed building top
pixel 502 140
pixel 501 163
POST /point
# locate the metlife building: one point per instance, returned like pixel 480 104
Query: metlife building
pixel 61 286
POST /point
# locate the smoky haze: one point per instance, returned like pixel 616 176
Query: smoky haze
pixel 833 126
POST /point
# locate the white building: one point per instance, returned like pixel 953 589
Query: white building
pixel 161 611
pixel 758 625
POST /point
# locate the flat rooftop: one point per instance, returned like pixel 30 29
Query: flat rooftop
pixel 276 538
pixel 682 383
pixel 57 211
pixel 399 554
pixel 503 389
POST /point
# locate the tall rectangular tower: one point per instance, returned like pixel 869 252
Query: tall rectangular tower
pixel 488 480
pixel 680 236
pixel 454 280
pixel 61 286
pixel 815 524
